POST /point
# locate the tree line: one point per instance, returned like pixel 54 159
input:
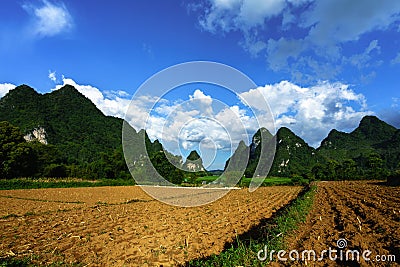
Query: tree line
pixel 19 158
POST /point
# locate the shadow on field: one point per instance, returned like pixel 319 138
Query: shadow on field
pixel 262 232
pixel 388 183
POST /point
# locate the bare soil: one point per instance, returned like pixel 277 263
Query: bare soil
pixel 123 226
pixel 365 214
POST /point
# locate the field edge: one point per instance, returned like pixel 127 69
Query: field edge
pixel 270 233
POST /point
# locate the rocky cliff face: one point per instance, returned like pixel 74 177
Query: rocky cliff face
pixel 193 163
pixel 38 134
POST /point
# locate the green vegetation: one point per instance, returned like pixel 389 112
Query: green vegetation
pixel 371 151
pixel 84 143
pixel 208 179
pixel 245 182
pixel 32 183
pixel 166 169
pixel 269 181
pixel 14 262
pixel 269 234
pixel 71 121
pixel 19 158
pixel 293 155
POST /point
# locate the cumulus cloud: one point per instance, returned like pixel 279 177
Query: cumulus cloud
pixel 227 15
pixel 203 101
pixel 5 88
pixel 305 35
pixel 311 112
pixel 111 105
pixel 49 18
pixel 198 121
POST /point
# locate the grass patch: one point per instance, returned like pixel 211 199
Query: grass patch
pixel 245 182
pixel 12 215
pixel 207 179
pixel 30 183
pixel 269 181
pixel 14 262
pixel 268 234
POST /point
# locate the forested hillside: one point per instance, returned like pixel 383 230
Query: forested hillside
pixel 80 140
pixel 69 136
pixel 371 151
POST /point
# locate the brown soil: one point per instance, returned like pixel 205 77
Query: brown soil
pixel 366 214
pixel 123 226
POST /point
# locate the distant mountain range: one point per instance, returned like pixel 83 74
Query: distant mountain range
pixel 83 134
pixel 294 156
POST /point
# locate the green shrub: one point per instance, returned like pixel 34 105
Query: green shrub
pixel 299 180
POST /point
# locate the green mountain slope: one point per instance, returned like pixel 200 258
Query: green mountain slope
pixel 87 143
pixel 373 140
pixel 261 150
pixel 371 136
pixel 293 154
pixel 71 121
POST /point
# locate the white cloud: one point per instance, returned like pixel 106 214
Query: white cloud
pixel 311 34
pixel 203 101
pixel 5 88
pixel 279 51
pixel 363 60
pixel 396 60
pixel 311 112
pixel 52 76
pixel 227 15
pixel 199 121
pixel 333 21
pixel 254 12
pixel 113 105
pixel 200 118
pixel 49 19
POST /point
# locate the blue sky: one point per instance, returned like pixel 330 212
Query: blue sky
pixel 319 64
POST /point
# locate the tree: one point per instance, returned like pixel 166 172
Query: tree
pixel 166 169
pixel 17 158
pixel 331 170
pixel 55 170
pixel 376 168
pixel 319 172
pixel 347 170
pixel 46 156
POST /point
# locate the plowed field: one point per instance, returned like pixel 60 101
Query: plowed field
pixel 364 214
pixel 122 226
